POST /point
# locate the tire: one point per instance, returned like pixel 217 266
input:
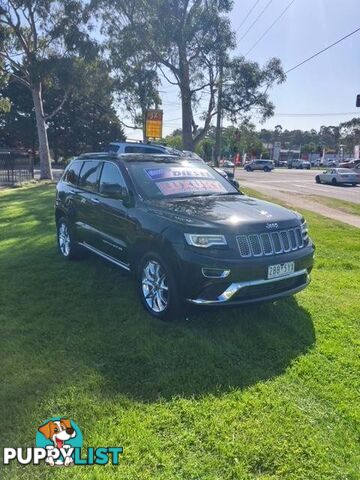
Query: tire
pixel 317 179
pixel 334 182
pixel 248 169
pixel 67 245
pixel 157 287
pixel 266 169
pixel 353 184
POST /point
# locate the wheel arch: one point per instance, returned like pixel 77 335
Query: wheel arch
pixel 158 245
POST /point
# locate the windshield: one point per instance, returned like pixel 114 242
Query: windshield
pixel 158 180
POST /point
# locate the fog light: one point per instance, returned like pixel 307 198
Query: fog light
pixel 215 273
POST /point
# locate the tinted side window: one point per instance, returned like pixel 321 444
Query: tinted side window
pixel 113 148
pixel 89 175
pixel 153 150
pixel 72 174
pixel 111 181
pixel 133 149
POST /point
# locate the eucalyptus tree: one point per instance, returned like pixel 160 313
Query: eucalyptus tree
pixel 191 42
pixel 38 41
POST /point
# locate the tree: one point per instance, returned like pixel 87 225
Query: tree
pixel 245 86
pixel 350 134
pixel 190 42
pixel 86 122
pixel 37 38
pixel 135 76
pixel 185 39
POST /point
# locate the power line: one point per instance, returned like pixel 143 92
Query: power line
pixel 323 50
pixel 332 114
pixel 271 26
pixel 256 19
pixel 247 16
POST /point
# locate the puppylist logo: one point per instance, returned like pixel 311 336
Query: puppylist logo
pixel 59 442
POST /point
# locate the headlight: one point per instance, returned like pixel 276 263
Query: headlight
pixel 304 229
pixel 204 241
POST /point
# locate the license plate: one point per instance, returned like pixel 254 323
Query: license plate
pixel 281 269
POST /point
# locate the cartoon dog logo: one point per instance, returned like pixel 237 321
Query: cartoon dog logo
pixel 58 432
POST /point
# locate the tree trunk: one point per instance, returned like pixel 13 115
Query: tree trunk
pixel 217 149
pixel 44 153
pixel 186 107
pixel 187 138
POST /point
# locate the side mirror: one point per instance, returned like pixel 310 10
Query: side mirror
pixel 115 191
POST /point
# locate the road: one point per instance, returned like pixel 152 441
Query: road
pixel 295 182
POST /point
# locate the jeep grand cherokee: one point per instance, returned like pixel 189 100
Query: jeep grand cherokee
pixel 185 232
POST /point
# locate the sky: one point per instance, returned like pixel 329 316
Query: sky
pixel 328 84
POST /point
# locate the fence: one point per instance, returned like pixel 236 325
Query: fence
pixel 15 168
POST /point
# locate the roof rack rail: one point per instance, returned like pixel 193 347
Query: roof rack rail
pixel 98 155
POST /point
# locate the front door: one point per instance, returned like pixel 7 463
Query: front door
pixel 115 225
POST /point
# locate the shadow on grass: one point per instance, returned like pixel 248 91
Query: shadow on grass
pixel 67 323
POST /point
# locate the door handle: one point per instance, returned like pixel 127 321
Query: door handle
pixel 95 200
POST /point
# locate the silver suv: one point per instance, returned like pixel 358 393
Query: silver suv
pixel 139 147
pixel 265 165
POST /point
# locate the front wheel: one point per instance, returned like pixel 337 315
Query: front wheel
pixel 334 181
pixel 158 288
pixel 266 169
pixel 317 179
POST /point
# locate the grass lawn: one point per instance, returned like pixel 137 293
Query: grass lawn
pixel 260 392
pixel 344 206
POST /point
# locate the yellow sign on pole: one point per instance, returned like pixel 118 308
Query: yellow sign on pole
pixel 153 125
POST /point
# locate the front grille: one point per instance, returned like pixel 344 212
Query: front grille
pixel 257 245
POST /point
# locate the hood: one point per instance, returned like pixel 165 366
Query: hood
pixel 230 210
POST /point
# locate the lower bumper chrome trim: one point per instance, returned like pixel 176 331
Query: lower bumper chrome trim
pixel 235 287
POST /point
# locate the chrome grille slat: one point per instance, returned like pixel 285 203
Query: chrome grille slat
pixel 270 243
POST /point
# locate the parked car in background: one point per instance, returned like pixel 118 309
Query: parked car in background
pixel 299 164
pixel 258 164
pixel 184 232
pixel 228 175
pixel 337 176
pixel 140 147
pixel 351 164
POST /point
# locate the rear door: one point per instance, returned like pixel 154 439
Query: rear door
pixel 87 212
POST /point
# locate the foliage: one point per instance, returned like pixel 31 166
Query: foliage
pixel 135 76
pixel 246 86
pixel 190 42
pixel 86 122
pixel 39 40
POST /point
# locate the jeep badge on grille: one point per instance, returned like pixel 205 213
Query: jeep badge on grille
pixel 272 226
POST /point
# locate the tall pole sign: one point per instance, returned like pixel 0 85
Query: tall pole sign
pixel 153 124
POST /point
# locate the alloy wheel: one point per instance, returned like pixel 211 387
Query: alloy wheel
pixel 64 239
pixel 154 286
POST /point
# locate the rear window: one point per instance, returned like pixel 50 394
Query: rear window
pixel 89 175
pixel 72 173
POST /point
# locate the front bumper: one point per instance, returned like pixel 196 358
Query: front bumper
pixel 247 281
pixel 231 294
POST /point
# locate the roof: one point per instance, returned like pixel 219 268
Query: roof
pixel 134 157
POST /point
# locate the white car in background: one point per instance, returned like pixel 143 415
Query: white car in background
pixel 337 176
